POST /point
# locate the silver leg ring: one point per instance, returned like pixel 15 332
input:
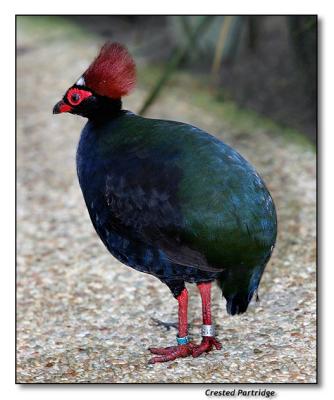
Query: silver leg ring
pixel 208 330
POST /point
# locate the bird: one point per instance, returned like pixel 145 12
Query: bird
pixel 169 199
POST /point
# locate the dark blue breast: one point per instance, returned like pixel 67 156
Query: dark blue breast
pixel 94 173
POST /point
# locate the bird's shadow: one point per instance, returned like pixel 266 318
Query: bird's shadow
pixel 169 325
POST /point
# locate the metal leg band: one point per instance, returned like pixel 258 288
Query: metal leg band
pixel 182 340
pixel 208 330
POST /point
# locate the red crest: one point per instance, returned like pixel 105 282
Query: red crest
pixel 112 73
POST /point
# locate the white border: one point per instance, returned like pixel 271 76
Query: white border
pixel 50 392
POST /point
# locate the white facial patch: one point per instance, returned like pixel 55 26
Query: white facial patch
pixel 80 82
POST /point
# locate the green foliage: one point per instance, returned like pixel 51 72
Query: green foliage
pixel 250 121
pixel 217 102
pixel 175 60
pixel 46 28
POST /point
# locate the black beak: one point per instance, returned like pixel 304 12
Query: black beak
pixel 61 107
pixel 56 108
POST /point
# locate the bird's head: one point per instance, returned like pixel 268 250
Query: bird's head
pixel 99 90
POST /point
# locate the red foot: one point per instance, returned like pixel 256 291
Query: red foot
pixel 185 350
pixel 206 346
pixel 170 353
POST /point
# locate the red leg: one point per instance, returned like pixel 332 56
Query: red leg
pixel 208 341
pixel 184 350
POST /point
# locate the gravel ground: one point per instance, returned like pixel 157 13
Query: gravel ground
pixel 84 317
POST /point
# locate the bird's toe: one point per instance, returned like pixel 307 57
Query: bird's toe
pixel 162 350
pixel 170 353
pixel 206 346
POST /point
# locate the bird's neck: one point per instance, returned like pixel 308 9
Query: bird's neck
pixel 106 109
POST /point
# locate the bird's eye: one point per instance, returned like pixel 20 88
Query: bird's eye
pixel 75 98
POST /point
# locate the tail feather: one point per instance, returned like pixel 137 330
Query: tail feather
pixel 238 286
pixel 238 303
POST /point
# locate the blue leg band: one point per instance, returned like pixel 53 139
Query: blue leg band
pixel 182 340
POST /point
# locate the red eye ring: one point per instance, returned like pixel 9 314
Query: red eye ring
pixel 75 96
